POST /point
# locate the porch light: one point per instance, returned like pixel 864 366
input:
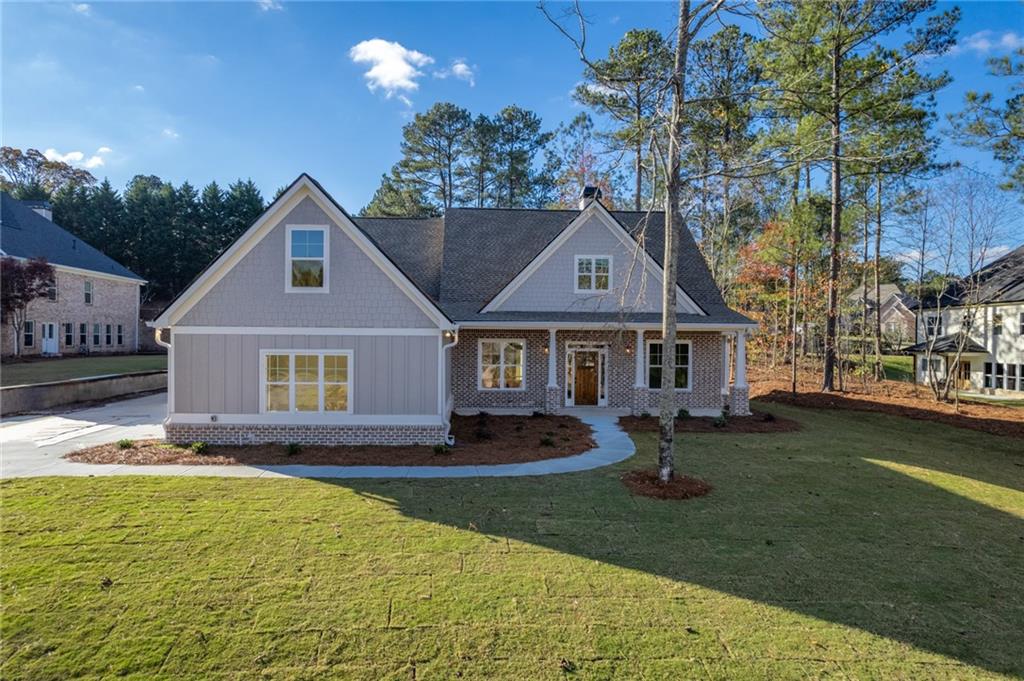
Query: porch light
pixel 546 349
pixel 629 349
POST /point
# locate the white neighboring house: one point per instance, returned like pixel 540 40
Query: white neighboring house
pixel 992 359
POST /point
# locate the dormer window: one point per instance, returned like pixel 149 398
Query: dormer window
pixel 593 273
pixel 306 259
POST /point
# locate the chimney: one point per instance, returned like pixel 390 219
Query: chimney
pixel 40 206
pixel 589 193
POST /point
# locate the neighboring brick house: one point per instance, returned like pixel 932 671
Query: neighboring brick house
pixel 94 304
pixel 317 326
pixel 897 315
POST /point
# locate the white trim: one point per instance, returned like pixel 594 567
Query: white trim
pixel 309 419
pixel 569 326
pixel 501 374
pixel 689 363
pixel 304 331
pixel 300 189
pixel 594 208
pixel 349 382
pixel 593 274
pixel 88 293
pixel 325 260
pixel 135 326
pixel 80 270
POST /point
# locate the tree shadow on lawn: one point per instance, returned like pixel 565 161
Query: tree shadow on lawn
pixel 802 522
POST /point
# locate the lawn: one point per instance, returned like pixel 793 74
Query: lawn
pixel 59 369
pixel 898 367
pixel 863 546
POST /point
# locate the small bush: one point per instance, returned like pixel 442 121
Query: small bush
pixel 442 450
pixel 519 427
pixel 483 433
pixel 125 443
pixel 725 411
pixel 768 417
pixel 645 414
pixel 537 415
pixel 683 414
pixel 720 421
pixel 483 415
pixel 293 449
pixel 199 447
pixel 547 441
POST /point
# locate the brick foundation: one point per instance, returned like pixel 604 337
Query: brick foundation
pixel 552 400
pixel 237 434
pixel 739 401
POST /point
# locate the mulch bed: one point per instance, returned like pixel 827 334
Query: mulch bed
pixel 645 483
pixel 898 398
pixel 758 422
pixel 479 440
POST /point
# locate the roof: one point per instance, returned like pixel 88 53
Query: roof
pixel 885 291
pixel 26 234
pixel 469 255
pixel 1001 281
pixel 948 344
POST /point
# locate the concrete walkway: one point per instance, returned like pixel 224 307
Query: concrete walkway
pixel 32 446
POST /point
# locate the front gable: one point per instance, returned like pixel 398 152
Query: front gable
pixel 549 283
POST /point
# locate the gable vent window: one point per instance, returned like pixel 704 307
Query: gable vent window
pixel 593 273
pixel 307 262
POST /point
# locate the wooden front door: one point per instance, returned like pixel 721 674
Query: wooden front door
pixel 586 378
pixel 963 375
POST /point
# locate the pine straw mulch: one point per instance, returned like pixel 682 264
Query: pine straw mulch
pixel 645 483
pixel 898 398
pixel 479 440
pixel 758 422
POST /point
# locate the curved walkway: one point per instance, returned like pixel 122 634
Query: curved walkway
pixel 34 447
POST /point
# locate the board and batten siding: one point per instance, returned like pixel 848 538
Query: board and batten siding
pixel 220 373
pixel 253 292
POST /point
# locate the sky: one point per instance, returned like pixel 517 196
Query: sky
pixel 266 89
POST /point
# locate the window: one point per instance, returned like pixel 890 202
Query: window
pixel 30 334
pixel 83 334
pixel 307 265
pixel 1021 324
pixel 997 324
pixel 95 334
pixel 999 376
pixel 51 289
pixel 88 293
pixel 69 334
pixel 933 325
pixel 501 364
pixel 120 334
pixel 655 360
pixel 593 273
pixel 988 374
pixel 1011 376
pixel 109 335
pixel 306 382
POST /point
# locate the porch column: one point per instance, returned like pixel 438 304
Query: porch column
pixel 640 349
pixel 725 363
pixel 552 360
pixel 741 359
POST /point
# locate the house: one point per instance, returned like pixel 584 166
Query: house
pixel 93 305
pixel 981 319
pixel 319 327
pixel 897 315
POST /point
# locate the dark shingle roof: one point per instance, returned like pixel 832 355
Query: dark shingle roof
pixel 947 344
pixel 26 234
pixel 465 258
pixel 1001 281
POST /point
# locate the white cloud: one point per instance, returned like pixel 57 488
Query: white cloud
pixel 104 150
pixel 460 70
pixel 138 88
pixel 996 252
pixel 987 41
pixel 93 162
pixel 394 68
pixel 78 158
pixel 170 133
pixel 81 7
pixel 270 5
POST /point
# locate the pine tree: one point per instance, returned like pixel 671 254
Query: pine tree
pixel 519 139
pixel 432 149
pixel 478 173
pixel 394 199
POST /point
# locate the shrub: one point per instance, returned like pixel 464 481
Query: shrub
pixel 725 411
pixel 293 449
pixel 537 415
pixel 683 414
pixel 720 421
pixel 199 447
pixel 125 443
pixel 519 427
pixel 483 415
pixel 483 433
pixel 767 416
pixel 442 450
pixel 547 441
pixel 645 414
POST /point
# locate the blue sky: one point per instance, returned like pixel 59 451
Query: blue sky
pixel 267 90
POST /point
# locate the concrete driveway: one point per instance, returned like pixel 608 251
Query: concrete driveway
pixel 29 445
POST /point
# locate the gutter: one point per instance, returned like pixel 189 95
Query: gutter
pixel 446 416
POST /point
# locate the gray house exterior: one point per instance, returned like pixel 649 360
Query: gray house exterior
pixel 319 327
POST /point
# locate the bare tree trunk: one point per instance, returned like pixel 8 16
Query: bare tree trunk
pixel 879 372
pixel 864 300
pixel 835 236
pixel 639 157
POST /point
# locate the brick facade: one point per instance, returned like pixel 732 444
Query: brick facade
pixel 235 434
pixel 113 302
pixel 465 378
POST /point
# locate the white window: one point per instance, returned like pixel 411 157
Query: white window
pixel 83 334
pixel 30 334
pixel 69 334
pixel 120 334
pixel 501 364
pixel 999 375
pixel 95 334
pixel 933 325
pixel 1011 376
pixel 51 289
pixel 306 381
pixel 989 378
pixel 88 293
pixel 109 335
pixel 655 361
pixel 306 262
pixel 997 324
pixel 1022 323
pixel 593 273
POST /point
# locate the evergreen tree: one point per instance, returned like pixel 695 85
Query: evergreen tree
pixel 432 149
pixel 242 205
pixel 519 139
pixel 394 199
pixel 212 221
pixel 477 175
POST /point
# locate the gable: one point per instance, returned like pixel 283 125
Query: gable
pixel 548 284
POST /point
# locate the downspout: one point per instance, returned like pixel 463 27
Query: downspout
pixel 446 415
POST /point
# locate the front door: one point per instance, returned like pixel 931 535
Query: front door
pixel 49 345
pixel 586 378
pixel 963 375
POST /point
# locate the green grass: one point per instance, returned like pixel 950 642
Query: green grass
pixel 898 367
pixel 60 369
pixel 865 546
pixel 994 402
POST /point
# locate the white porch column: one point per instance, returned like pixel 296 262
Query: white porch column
pixel 552 360
pixel 725 363
pixel 639 381
pixel 741 359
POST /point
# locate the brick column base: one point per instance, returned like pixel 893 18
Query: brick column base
pixel 638 401
pixel 739 402
pixel 552 399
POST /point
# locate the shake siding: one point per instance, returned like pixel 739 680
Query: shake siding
pixel 219 374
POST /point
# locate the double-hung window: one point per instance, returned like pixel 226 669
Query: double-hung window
pixel 307 259
pixel 69 334
pixel 83 334
pixel 999 375
pixel 29 331
pixel 1011 376
pixel 307 381
pixel 593 273
pixel 95 334
pixel 655 362
pixel 933 325
pixel 109 336
pixel 88 293
pixel 51 289
pixel 502 363
pixel 1021 324
pixel 120 334
pixel 988 375
pixel 997 324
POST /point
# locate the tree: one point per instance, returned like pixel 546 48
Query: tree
pixel 213 231
pixel 999 129
pixel 519 139
pixel 478 173
pixel 432 148
pixel 626 87
pixel 21 282
pixel 574 162
pixel 30 175
pixel 242 205
pixel 394 199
